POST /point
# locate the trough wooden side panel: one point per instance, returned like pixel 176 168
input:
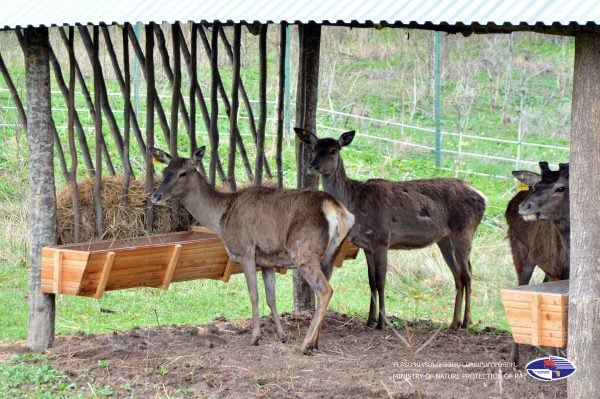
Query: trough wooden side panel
pixel 537 317
pixel 72 265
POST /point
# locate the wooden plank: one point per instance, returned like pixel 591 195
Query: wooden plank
pixel 171 267
pixel 228 270
pixel 57 276
pixel 536 317
pixel 110 258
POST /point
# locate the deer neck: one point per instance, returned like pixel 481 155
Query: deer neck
pixel 206 204
pixel 563 225
pixel 338 184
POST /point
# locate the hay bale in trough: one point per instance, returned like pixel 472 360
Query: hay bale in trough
pixel 120 221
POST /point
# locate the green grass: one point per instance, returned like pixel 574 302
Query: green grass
pixel 32 376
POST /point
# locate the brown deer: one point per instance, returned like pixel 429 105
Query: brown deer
pixel 540 235
pixel 402 215
pixel 266 227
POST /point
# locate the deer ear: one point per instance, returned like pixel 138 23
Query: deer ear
pixel 199 154
pixel 306 136
pixel 160 155
pixel 346 138
pixel 527 177
pixel 563 168
pixel 544 168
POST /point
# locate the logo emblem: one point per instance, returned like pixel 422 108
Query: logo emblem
pixel 550 368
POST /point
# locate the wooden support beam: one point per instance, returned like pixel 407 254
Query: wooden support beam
pixel 105 274
pixel 262 96
pixel 97 191
pixel 233 113
pixel 14 94
pixel 193 73
pixel 123 85
pixel 280 103
pixel 160 112
pixel 245 98
pixel 173 260
pixel 171 73
pixel 100 84
pixel 228 271
pixel 72 148
pixel 57 273
pixel 150 96
pixel 42 197
pixel 306 117
pixel 128 118
pixel 227 106
pixel 213 133
pixel 187 57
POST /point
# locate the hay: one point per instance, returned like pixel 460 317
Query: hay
pixel 119 221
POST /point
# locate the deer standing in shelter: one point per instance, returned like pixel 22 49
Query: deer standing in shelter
pixel 539 227
pixel 266 227
pixel 402 215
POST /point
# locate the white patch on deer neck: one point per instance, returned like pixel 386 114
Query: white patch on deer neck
pixel 530 218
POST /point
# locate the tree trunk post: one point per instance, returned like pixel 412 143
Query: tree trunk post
pixel 42 198
pixel 584 289
pixel 306 117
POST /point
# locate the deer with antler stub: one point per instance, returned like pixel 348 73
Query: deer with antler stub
pixel 402 215
pixel 539 227
pixel 265 227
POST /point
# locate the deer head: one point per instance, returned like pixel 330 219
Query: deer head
pixel 549 198
pixel 325 152
pixel 176 176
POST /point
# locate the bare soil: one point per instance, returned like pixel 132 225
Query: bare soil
pixel 353 361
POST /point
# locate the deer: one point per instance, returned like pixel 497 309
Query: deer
pixel 538 228
pixel 402 215
pixel 263 226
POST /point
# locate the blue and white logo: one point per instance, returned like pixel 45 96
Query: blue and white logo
pixel 550 368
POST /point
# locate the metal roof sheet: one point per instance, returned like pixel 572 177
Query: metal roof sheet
pixel 466 14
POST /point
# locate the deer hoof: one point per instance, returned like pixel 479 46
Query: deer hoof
pixel 282 337
pixel 455 325
pixel 371 323
pixel 255 340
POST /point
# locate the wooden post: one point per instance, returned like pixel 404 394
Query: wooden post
pixel 128 117
pixel 72 148
pixel 214 105
pixel 97 191
pixel 281 102
pixel 262 95
pixel 233 114
pixel 584 287
pixel 42 197
pixel 150 95
pixel 306 117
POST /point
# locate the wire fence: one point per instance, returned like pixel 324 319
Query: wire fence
pixel 462 152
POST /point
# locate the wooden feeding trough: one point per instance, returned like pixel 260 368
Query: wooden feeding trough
pixel 89 269
pixel 538 314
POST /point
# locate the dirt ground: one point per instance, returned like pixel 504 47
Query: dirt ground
pixel 216 361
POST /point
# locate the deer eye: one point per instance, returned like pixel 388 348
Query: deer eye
pixel 332 151
pixel 560 189
pixel 182 174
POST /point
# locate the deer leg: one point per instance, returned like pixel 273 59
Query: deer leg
pixel 381 262
pixel 323 291
pixel 373 286
pixel 448 253
pixel 249 267
pixel 268 275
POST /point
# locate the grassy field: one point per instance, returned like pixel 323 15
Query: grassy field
pixel 504 87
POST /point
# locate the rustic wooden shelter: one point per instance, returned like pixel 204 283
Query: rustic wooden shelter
pixel 32 20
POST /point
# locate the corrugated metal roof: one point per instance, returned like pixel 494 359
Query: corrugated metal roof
pixel 478 15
